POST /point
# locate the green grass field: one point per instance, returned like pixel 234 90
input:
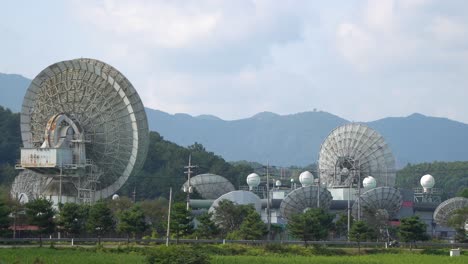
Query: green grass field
pixel 81 255
pixel 67 256
pixel 368 259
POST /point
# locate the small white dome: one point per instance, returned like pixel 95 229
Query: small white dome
pixel 369 182
pixel 278 183
pixel 427 181
pixel 115 197
pixel 253 180
pixel 306 178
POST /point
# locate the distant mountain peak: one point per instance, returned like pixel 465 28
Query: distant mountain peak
pixel 209 117
pixel 265 115
pixel 416 115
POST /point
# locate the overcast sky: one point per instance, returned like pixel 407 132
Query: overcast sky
pixel 361 60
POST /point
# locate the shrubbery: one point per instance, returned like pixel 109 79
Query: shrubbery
pixel 177 255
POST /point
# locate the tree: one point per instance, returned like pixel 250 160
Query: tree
pixel 72 218
pixel 252 228
pixel 41 214
pixel 341 224
pixel 458 220
pixel 156 214
pixel 314 224
pixel 360 232
pixel 4 217
pixel 132 221
pixel 229 216
pixel 181 221
pixel 100 219
pixel 206 227
pixel 463 193
pixel 412 229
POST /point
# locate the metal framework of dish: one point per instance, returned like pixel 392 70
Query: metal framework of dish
pixel 383 202
pixel 210 186
pixel 83 122
pixel 239 197
pixel 444 211
pixel 303 198
pixel 353 151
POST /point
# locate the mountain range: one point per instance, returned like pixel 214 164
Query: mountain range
pixel 286 140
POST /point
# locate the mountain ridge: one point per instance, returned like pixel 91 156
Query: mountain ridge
pixel 291 139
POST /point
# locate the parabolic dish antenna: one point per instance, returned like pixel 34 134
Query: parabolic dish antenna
pixel 353 151
pixel 444 211
pixel 210 186
pixel 383 202
pixel 303 198
pixel 84 117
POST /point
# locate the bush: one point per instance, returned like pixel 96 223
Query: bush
pixel 177 255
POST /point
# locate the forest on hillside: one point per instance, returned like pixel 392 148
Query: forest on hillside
pixel 164 166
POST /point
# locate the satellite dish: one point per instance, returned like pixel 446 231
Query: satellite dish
pixel 352 151
pixel 444 211
pixel 91 104
pixel 378 202
pixel 209 186
pixel 301 199
pixel 28 185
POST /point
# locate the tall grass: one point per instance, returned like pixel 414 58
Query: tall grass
pixel 67 256
pixel 368 259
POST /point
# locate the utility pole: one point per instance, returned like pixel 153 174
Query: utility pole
pixel 189 174
pixel 169 218
pixel 134 193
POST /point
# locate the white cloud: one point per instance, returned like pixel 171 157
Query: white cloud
pixel 448 29
pixel 358 59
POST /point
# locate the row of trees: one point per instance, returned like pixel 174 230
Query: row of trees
pixel 229 220
pixel 124 217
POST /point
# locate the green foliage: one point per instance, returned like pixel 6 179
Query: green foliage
pixel 41 214
pixel 341 224
pixel 314 224
pixel 463 193
pixel 451 177
pixel 156 214
pixel 206 227
pixel 177 255
pixel 72 218
pixel 457 220
pixel 412 229
pixel 181 221
pixel 132 221
pixel 229 216
pixel 359 232
pixel 5 211
pixel 164 165
pixel 100 219
pixel 252 228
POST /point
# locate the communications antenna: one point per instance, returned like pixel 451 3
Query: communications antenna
pixel 84 131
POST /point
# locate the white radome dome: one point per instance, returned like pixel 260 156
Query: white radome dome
pixel 278 183
pixel 427 182
pixel 306 178
pixel 253 180
pixel 115 197
pixel 369 182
